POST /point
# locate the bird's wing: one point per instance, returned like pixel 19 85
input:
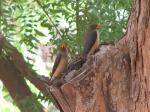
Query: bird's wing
pixel 56 63
pixel 89 41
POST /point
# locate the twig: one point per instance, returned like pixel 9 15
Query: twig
pixel 38 2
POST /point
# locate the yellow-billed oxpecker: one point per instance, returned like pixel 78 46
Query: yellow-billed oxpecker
pixel 91 40
pixel 61 62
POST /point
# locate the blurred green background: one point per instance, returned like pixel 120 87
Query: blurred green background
pixel 37 27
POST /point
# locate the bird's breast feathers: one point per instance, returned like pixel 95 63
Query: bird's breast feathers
pixel 61 67
pixel 95 44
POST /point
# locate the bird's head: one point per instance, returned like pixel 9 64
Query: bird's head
pixel 64 49
pixel 94 27
pixel 63 46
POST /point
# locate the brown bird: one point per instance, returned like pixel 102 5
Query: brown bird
pixel 60 63
pixel 91 40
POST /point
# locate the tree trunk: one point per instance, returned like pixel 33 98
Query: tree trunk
pixel 116 78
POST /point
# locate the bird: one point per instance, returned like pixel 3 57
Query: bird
pixel 61 62
pixel 91 40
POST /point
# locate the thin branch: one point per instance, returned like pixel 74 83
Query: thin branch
pixel 50 19
pixel 77 16
pixel 0 15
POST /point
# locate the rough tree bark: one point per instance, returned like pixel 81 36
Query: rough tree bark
pixel 115 79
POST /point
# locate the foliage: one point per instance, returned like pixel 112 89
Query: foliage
pixel 29 23
pixel 26 22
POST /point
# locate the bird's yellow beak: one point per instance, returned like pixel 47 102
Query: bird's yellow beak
pixel 98 26
pixel 62 46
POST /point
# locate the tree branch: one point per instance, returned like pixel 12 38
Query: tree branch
pixel 77 16
pixel 18 88
pixel 40 82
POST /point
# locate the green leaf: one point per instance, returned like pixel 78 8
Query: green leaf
pixel 39 32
